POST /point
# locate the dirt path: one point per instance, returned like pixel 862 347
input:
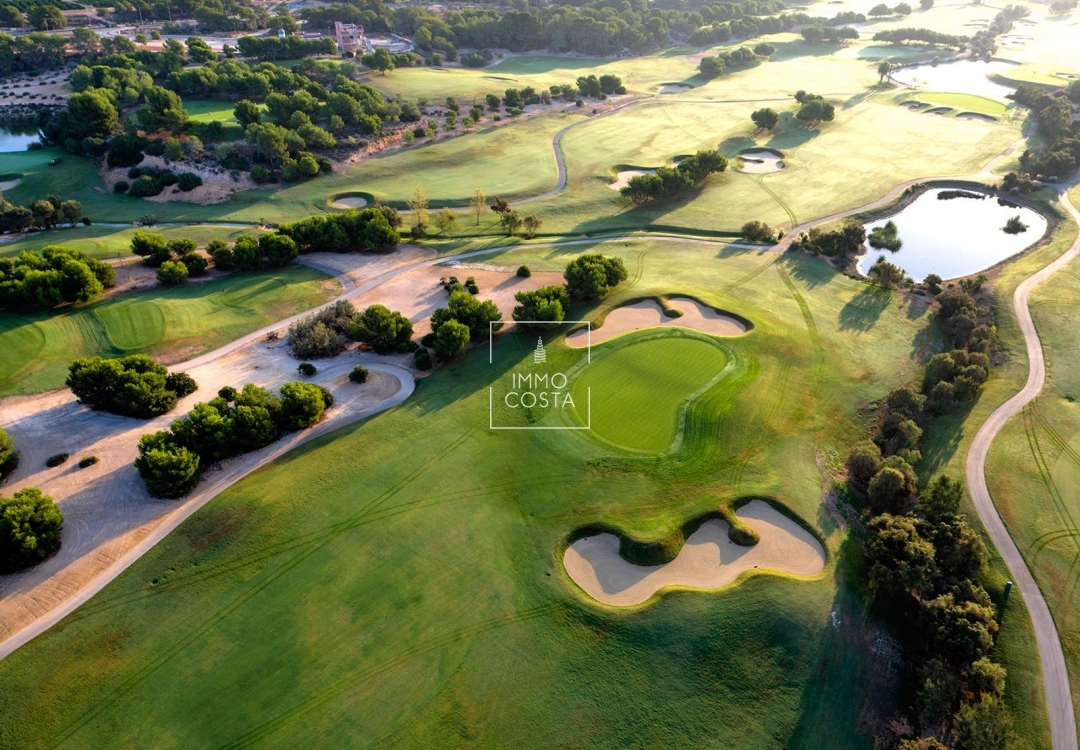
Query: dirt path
pixel 1052 657
pixel 708 560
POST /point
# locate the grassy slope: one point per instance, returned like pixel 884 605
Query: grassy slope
pixel 176 323
pixel 419 592
pixel 110 242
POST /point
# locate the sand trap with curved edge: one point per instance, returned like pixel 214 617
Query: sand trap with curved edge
pixel 760 161
pixel 674 88
pixel 708 560
pixel 622 179
pixel 353 201
pixel 10 184
pixel 975 116
pixel 649 314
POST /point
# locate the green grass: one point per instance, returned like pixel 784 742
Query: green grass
pixel 960 102
pixel 175 323
pixel 406 572
pixel 110 242
pixel 1025 74
pixel 627 407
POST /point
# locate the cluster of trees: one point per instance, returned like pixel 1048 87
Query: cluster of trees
pixel 55 276
pixel 149 181
pixel 746 28
pixel 171 461
pixel 465 318
pixel 9 457
pixel 1053 111
pixel 133 386
pixel 886 237
pixel 512 221
pixel 757 231
pixel 322 334
pixel 715 66
pixel 984 42
pixel 29 529
pixel 43 213
pixel 829 34
pixel 814 108
pixel 31 52
pixel 180 256
pixel 211 15
pixel 765 118
pixel 668 181
pixel 591 276
pixel 549 304
pixel 365 230
pixel 290 47
pixel 921 37
pixel 837 243
pixel 881 9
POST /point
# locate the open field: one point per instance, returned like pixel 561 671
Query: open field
pixel 403 608
pixel 176 323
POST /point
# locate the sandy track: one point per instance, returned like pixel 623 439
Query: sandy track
pixel 708 560
pixel 1052 657
pixel 649 314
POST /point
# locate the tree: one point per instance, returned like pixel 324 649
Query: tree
pixel 150 246
pixel 757 231
pixel 167 469
pixel 765 118
pixel 478 316
pixel 246 253
pixel 864 462
pixel 207 431
pixel 926 4
pixel 881 9
pixel 901 561
pixel 279 249
pixel 358 375
pixel 418 203
pixel 133 386
pixel 302 404
pixel 885 274
pixel 9 457
pixel 163 111
pixel 883 69
pixel 451 338
pixel 381 328
pixel 11 17
pixel 380 60
pixel 478 204
pixel 46 18
pixel 445 221
pixel 247 113
pixel 29 528
pixel 548 304
pixel 531 224
pixel 889 490
pixel 815 111
pixel 172 273
pixel 764 49
pixel 591 276
pixel 512 222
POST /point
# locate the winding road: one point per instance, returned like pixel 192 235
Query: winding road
pixel 1054 669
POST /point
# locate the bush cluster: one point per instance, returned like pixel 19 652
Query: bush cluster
pixel 591 276
pixel 384 330
pixel 757 231
pixel 712 67
pixel 133 386
pixel 368 229
pixel 171 461
pixel 463 320
pixel 837 243
pixel 549 303
pixel 29 529
pixel 55 276
pixel 9 457
pixel 672 180
pixel 322 334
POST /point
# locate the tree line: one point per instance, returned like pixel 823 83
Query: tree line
pixel 1053 112
pixel 51 277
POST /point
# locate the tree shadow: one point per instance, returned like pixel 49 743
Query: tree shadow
pixel 862 311
pixel 797 49
pixel 813 272
pixel 732 146
pixel 642 216
pixel 945 440
pixel 791 133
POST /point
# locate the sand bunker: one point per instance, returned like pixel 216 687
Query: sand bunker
pixel 760 160
pixel 649 314
pixel 939 111
pixel 622 179
pixel 975 116
pixel 352 201
pixel 674 88
pixel 9 184
pixel 914 106
pixel 708 560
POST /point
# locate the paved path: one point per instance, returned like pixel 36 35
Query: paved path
pixel 1055 673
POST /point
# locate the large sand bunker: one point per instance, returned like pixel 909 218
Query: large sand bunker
pixel 708 560
pixel 622 179
pixel 761 160
pixel 649 314
pixel 351 201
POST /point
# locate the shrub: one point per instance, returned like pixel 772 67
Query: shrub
pixel 548 303
pixel 134 386
pixel 359 374
pixel 380 328
pixel 591 276
pixel 307 369
pixel 121 187
pixel 9 457
pixel 172 273
pixel 168 469
pixel 523 272
pixel 757 231
pixel 222 255
pixel 54 461
pixel 321 334
pixel 302 404
pixel 422 359
pixel 188 181
pixel 145 187
pixel 181 384
pixel 87 461
pixel 29 529
pixel 451 338
pixel 475 314
pixel 260 174
pixel 196 264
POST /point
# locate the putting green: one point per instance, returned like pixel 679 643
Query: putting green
pixel 639 388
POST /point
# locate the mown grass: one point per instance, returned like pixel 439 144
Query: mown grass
pixel 406 572
pixel 173 323
pixel 111 242
pixel 960 102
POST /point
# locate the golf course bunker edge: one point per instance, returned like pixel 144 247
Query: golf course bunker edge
pixel 648 313
pixel 760 160
pixel 708 560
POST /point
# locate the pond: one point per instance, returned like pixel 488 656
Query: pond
pixel 961 77
pixel 955 237
pixel 16 139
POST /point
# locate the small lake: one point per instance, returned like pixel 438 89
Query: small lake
pixel 954 237
pixel 961 77
pixel 16 139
